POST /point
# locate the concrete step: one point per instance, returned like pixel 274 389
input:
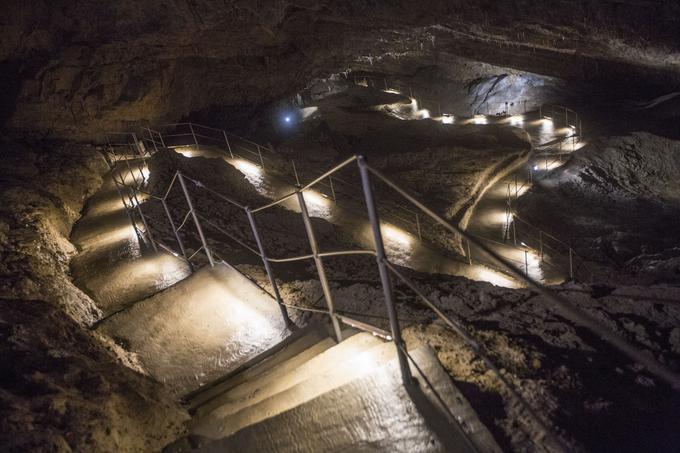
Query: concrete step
pixel 219 424
pixel 281 379
pixel 199 329
pixel 299 347
pixel 371 412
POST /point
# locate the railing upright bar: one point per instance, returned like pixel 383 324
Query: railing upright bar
pixel 330 181
pixel 141 215
pixel 420 235
pixel 259 153
pixel 176 233
pixel 193 134
pixel 320 269
pixel 381 259
pixel 226 139
pixel 297 179
pixel 268 268
pixel 196 222
pixel 151 138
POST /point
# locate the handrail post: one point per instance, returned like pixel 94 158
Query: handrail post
pixel 571 264
pixel 514 231
pixel 226 139
pixel 191 127
pixel 195 217
pixel 381 259
pixel 259 152
pixel 469 253
pixel 330 180
pixel 319 265
pixel 174 230
pixel 268 269
pixel 297 179
pixel 141 215
pixel 137 145
pixel 160 137
pixel 420 235
pixel 153 141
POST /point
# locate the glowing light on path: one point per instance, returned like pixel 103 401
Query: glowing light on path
pixel 480 119
pixel 395 235
pixel 247 168
pixel 516 120
pixel 317 204
pixel 447 119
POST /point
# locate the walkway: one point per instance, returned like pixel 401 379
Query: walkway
pixel 270 388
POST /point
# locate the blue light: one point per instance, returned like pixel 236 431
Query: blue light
pixel 287 119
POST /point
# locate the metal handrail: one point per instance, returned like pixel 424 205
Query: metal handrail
pixel 386 268
pixel 566 307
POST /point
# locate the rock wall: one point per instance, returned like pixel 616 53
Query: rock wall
pixel 62 387
pixel 81 69
pixel 617 201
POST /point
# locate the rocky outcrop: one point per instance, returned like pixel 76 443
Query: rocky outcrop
pixel 62 387
pixel 617 201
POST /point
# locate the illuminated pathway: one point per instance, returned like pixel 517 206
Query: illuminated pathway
pixel 403 248
pixel 490 219
pixel 111 267
pixel 218 341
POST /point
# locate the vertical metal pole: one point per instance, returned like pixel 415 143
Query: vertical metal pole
pixel 381 259
pixel 297 180
pixel 146 225
pixel 385 80
pixel 195 217
pixel 259 152
pixel 330 180
pixel 174 230
pixel 514 231
pixel 540 239
pixel 132 173
pixel 540 112
pixel 319 266
pixel 268 269
pixel 571 264
pixel 122 199
pixel 420 235
pixel 160 137
pixel 226 139
pixel 153 141
pixel 526 262
pixel 137 145
pixel 469 253
pixel 566 117
pixel 191 126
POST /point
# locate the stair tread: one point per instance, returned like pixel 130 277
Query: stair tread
pixel 279 378
pixel 200 328
pixel 374 412
pixel 339 371
pixel 288 365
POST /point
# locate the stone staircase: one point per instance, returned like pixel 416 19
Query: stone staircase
pixel 317 395
pixel 219 344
